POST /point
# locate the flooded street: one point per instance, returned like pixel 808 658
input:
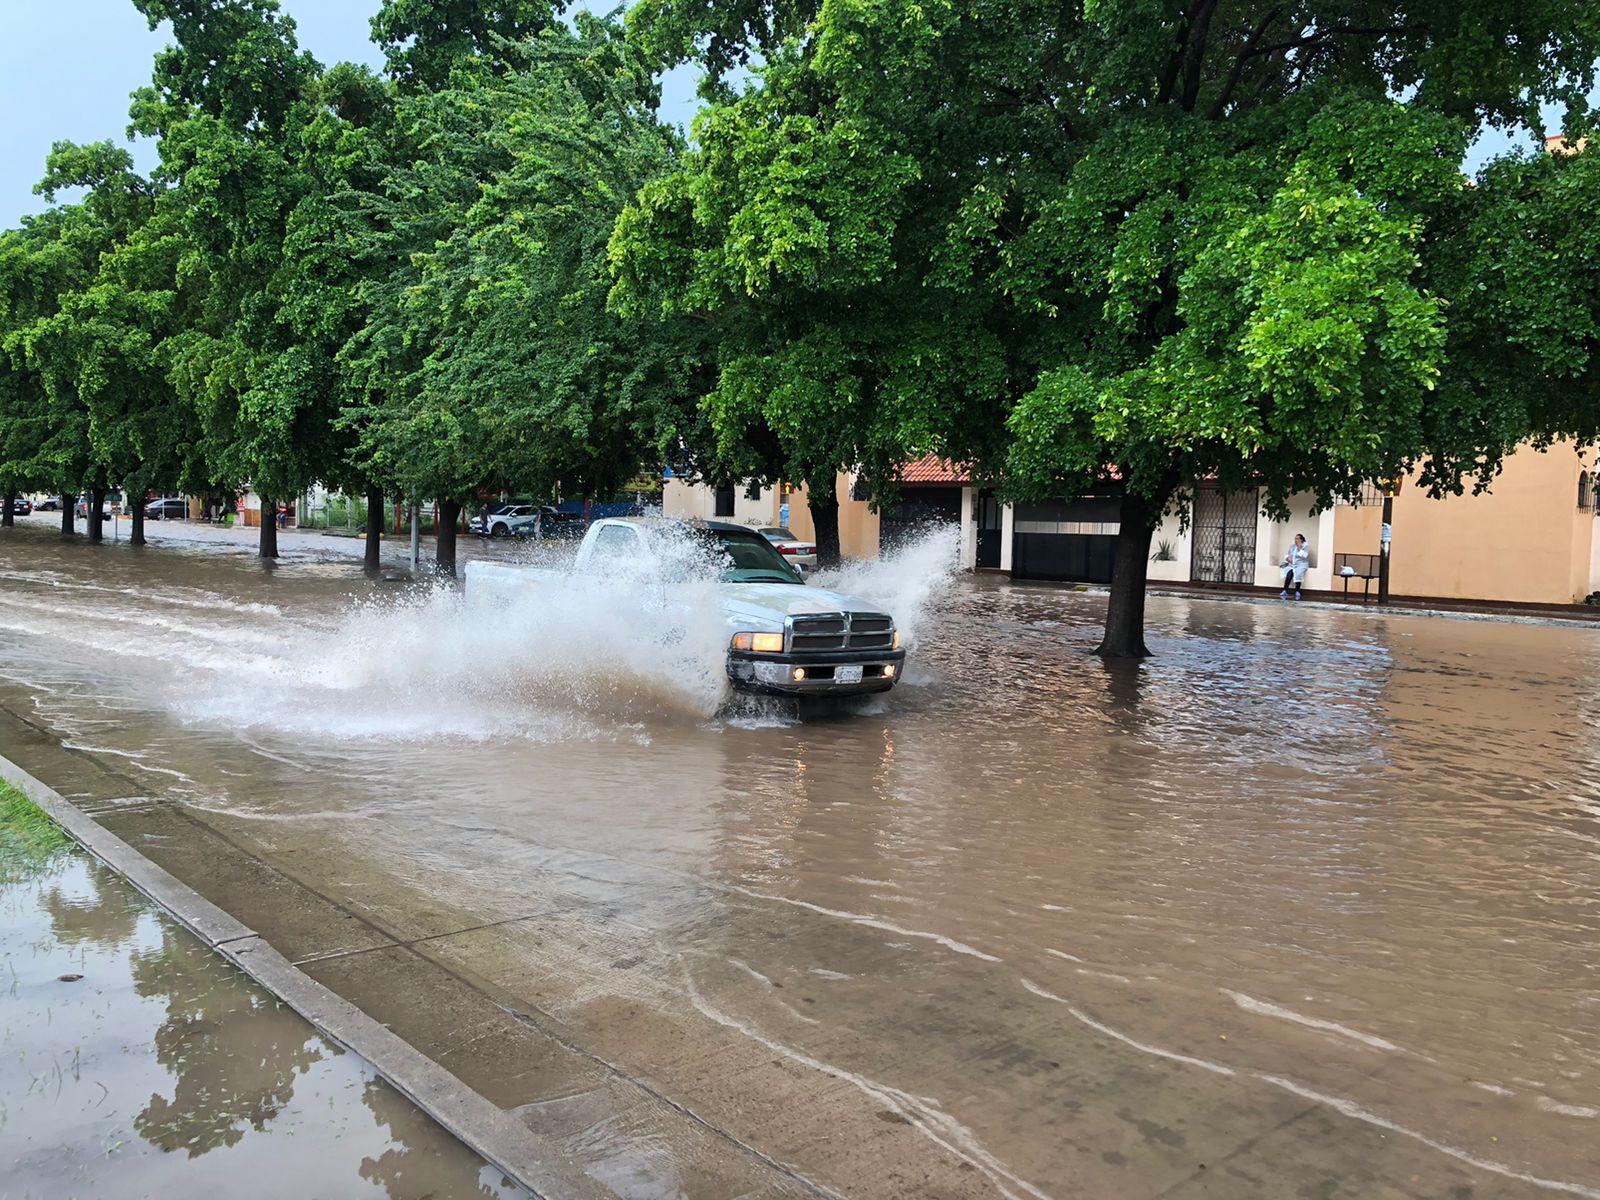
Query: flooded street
pixel 139 1063
pixel 1306 905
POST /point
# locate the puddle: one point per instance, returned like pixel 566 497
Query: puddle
pixel 136 1062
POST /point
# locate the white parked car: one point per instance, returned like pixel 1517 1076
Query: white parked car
pixel 782 635
pixel 509 520
pixel 801 553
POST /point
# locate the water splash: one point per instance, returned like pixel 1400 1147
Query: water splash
pixel 577 655
pixel 907 581
pixel 571 657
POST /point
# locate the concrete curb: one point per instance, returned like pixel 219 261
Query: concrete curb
pixel 499 1138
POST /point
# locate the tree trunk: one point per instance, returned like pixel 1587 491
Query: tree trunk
pixel 7 516
pixel 825 527
pixel 444 544
pixel 97 500
pixel 1124 635
pixel 269 529
pixel 136 507
pixel 373 563
pixel 67 515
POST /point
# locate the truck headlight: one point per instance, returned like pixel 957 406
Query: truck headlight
pixel 759 643
pixel 895 644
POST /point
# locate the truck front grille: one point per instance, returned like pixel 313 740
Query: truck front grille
pixel 843 631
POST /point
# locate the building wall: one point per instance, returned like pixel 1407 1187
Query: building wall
pixel 1525 541
pixel 1594 557
pixel 697 501
pixel 1178 534
pixel 1273 539
pixel 858 524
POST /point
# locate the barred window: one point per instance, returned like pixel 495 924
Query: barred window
pixel 1370 495
pixel 1586 492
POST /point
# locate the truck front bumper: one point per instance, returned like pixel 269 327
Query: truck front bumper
pixel 820 672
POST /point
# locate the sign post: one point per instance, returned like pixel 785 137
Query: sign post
pixel 1388 530
pixel 416 546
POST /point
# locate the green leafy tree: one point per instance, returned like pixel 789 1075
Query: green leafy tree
pixel 1132 245
pixel 110 333
pixel 490 357
pixel 45 423
pixel 424 40
pixel 231 102
pixel 41 445
pixel 346 149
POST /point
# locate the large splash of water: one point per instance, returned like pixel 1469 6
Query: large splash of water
pixel 906 581
pixel 575 657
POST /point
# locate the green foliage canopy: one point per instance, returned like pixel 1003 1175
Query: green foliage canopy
pixel 489 356
pixel 1136 243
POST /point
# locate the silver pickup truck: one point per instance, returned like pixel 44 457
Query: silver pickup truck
pixel 783 636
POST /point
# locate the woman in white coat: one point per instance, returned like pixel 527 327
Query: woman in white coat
pixel 1294 566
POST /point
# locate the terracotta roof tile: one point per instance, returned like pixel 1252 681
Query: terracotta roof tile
pixel 932 469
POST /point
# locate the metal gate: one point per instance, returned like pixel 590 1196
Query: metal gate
pixel 1224 536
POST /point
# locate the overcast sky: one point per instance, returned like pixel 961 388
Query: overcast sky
pixel 67 67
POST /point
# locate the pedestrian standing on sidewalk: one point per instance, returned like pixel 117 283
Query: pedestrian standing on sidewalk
pixel 1294 566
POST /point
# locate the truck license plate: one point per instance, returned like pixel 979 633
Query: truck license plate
pixel 847 674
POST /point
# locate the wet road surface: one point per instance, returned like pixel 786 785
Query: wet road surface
pixel 1308 904
pixel 136 1062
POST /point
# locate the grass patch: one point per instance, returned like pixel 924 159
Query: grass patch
pixel 29 841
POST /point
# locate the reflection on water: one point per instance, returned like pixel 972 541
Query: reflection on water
pixel 1312 893
pixel 137 1062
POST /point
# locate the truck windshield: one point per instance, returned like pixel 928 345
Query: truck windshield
pixel 750 558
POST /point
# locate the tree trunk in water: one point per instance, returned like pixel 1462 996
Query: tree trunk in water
pixel 268 547
pixel 444 545
pixel 97 500
pixel 7 517
pixel 824 527
pixel 372 563
pixel 136 537
pixel 67 515
pixel 1124 636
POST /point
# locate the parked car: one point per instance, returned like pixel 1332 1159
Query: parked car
pixel 477 523
pixel 172 508
pixel 556 524
pixel 48 504
pixel 511 519
pixel 801 553
pixel 782 635
pixel 82 507
pixel 524 520
pixel 21 506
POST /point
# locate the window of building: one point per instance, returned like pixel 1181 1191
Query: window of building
pixel 722 504
pixel 1370 495
pixel 1586 491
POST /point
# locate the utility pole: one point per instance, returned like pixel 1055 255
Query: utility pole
pixel 415 537
pixel 1383 556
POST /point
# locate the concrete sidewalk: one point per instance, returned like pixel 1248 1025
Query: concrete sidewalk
pixel 511 1084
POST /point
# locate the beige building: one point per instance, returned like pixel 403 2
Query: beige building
pixel 1534 538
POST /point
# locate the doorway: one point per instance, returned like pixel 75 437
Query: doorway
pixel 1224 536
pixel 987 510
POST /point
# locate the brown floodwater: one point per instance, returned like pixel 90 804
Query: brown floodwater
pixel 136 1062
pixel 1306 904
